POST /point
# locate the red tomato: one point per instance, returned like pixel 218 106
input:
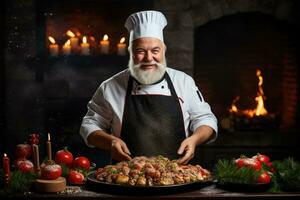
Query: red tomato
pixel 81 162
pixel 75 177
pixel 51 172
pixel 264 178
pixel 24 165
pixel 240 162
pixel 262 158
pixel 23 151
pixel 248 162
pixel 64 157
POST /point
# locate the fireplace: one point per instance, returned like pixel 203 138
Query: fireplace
pixel 232 50
pixel 221 44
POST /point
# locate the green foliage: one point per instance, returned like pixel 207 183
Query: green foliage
pixel 65 170
pixel 287 174
pixel 227 171
pixel 20 182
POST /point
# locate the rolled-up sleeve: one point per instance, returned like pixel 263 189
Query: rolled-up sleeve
pixel 199 110
pixel 98 116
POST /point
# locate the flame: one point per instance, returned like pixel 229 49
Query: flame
pixel 67 43
pixel 84 40
pixel 51 39
pixel 70 33
pixel 105 37
pixel 122 40
pixel 260 109
pixel 233 108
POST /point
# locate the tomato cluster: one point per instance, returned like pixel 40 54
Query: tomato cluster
pixel 75 166
pixel 259 163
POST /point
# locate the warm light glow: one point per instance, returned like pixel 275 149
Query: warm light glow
pixel 48 136
pixel 233 108
pixel 78 34
pixel 84 40
pixel 67 43
pixel 105 37
pixel 51 39
pixel 122 40
pixel 260 108
pixel 70 33
pixel 5 155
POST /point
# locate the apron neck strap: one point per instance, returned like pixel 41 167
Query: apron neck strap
pixel 166 76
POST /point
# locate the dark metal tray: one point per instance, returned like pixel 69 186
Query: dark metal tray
pixel 98 186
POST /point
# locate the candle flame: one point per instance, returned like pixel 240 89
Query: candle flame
pixel 5 155
pixel 84 40
pixel 51 39
pixel 49 137
pixel 122 40
pixel 67 43
pixel 105 37
pixel 70 33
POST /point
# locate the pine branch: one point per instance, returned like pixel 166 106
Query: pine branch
pixel 227 171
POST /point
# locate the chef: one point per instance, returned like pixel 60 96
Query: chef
pixel 148 109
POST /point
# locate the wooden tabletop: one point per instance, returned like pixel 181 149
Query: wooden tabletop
pixel 209 192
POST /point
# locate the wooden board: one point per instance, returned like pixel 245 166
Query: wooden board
pixel 42 185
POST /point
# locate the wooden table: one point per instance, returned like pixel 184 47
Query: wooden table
pixel 209 192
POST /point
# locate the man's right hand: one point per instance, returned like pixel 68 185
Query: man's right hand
pixel 119 150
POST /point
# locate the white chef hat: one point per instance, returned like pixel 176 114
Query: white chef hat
pixel 146 24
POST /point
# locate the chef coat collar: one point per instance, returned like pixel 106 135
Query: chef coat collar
pixel 160 80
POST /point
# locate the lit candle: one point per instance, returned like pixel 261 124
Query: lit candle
pixel 53 48
pixel 85 47
pixel 36 157
pixel 6 168
pixel 48 144
pixel 104 45
pixel 66 49
pixel 121 47
pixel 73 40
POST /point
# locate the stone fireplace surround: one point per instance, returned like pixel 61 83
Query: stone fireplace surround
pixel 25 97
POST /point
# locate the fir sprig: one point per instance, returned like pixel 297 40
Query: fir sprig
pixel 20 182
pixel 288 174
pixel 227 171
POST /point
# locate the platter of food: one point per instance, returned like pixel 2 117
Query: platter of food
pixel 148 176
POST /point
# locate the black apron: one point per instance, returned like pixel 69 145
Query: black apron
pixel 152 124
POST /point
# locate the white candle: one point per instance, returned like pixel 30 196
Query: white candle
pixel 53 48
pixel 49 149
pixel 73 39
pixel 104 45
pixel 85 47
pixel 66 49
pixel 74 43
pixel 122 47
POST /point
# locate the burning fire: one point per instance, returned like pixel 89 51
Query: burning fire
pixel 260 108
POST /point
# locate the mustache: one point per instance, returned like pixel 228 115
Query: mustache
pixel 147 63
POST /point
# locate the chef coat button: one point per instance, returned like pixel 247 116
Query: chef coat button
pixel 162 87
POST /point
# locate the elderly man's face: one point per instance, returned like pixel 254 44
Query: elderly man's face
pixel 147 61
pixel 147 51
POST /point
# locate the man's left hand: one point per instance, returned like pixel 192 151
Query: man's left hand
pixel 188 146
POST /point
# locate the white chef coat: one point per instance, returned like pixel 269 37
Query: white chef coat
pixel 105 109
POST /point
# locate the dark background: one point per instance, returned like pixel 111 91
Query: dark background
pixel 219 43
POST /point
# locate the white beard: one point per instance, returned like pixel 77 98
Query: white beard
pixel 144 76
